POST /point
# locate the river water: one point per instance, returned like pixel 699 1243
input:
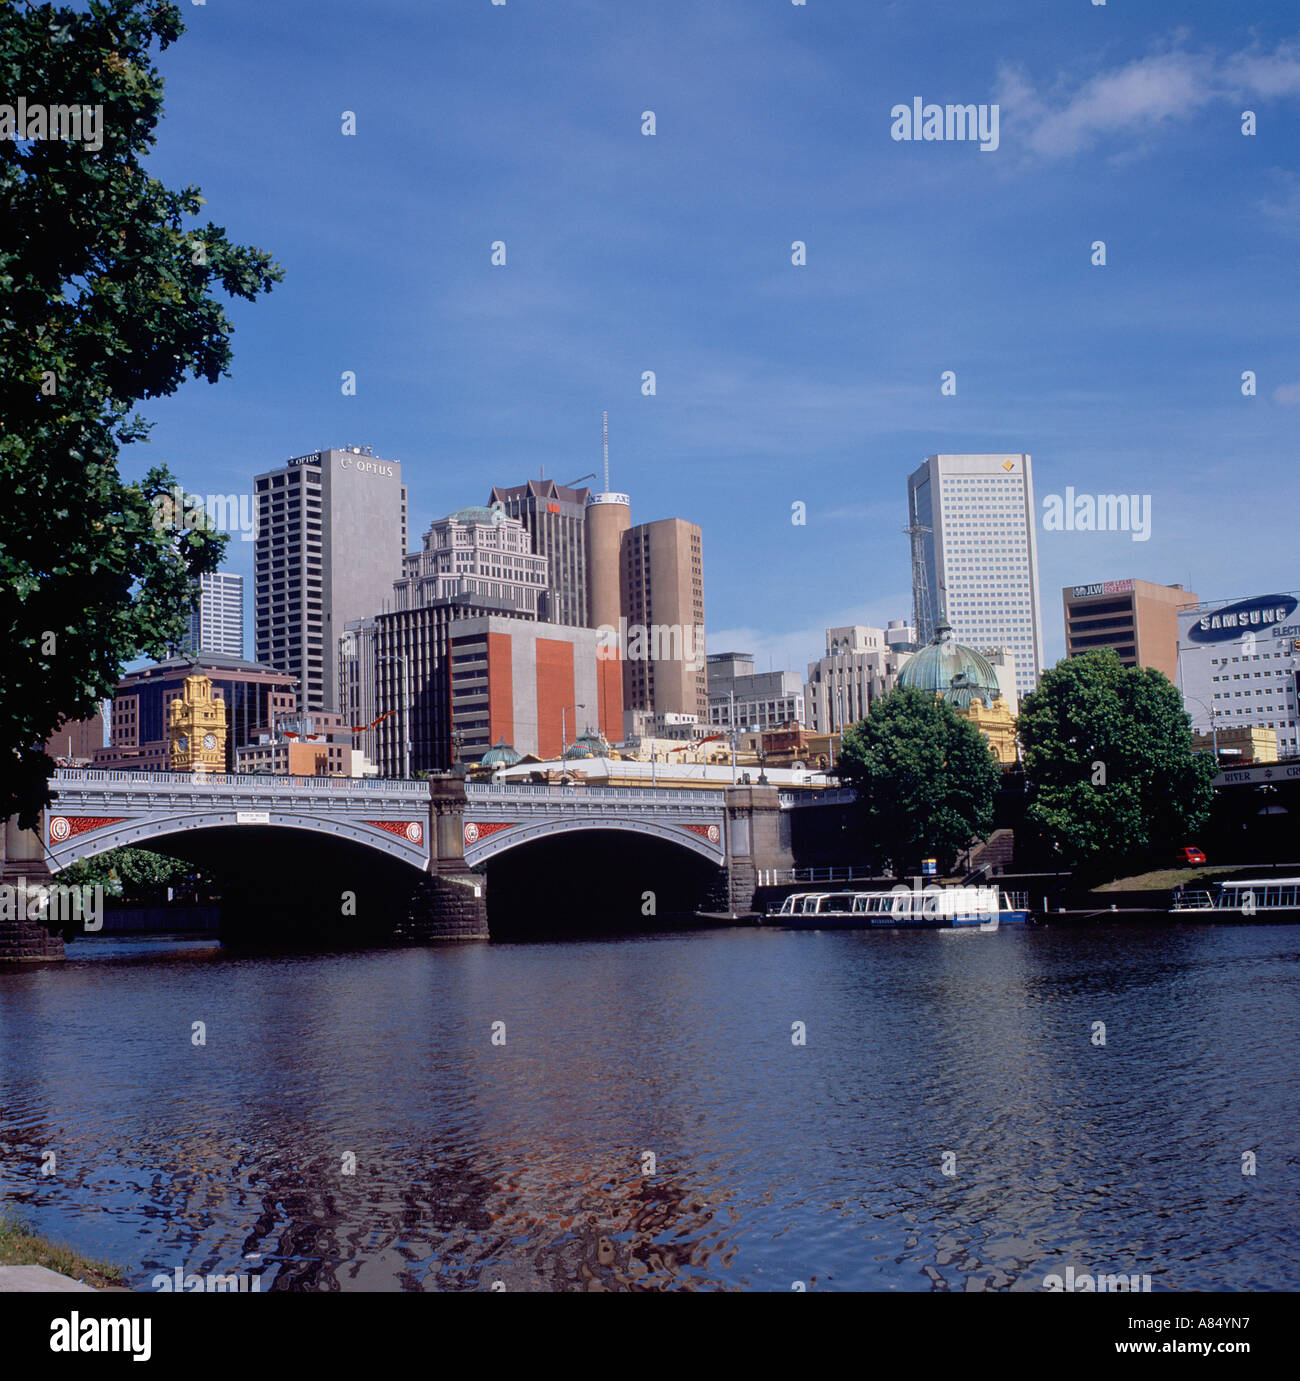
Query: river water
pixel 773 1162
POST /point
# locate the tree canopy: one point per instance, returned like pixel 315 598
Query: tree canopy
pixel 1112 777
pixel 925 777
pixel 106 300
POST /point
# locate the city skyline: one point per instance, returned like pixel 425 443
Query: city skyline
pixel 1117 127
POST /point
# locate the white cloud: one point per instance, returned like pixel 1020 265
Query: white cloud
pixel 1138 98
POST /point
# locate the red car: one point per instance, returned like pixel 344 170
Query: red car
pixel 1190 854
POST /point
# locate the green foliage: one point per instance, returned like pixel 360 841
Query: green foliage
pixel 1108 756
pixel 925 777
pixel 133 874
pixel 104 302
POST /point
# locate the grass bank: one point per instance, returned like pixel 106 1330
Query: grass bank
pixel 20 1247
pixel 1165 879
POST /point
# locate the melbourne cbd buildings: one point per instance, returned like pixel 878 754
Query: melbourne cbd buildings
pixel 516 622
pixel 973 522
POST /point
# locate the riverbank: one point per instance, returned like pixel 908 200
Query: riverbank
pixel 19 1247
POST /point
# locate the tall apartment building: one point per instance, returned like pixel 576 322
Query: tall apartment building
pixel 331 538
pixel 1137 619
pixel 766 699
pixel 861 665
pixel 1239 666
pixel 216 622
pixel 661 583
pixel 555 518
pixel 979 553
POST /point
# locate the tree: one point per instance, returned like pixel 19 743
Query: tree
pixel 1108 756
pixel 134 874
pixel 925 779
pixel 104 302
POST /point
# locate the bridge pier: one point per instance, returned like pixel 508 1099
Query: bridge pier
pixel 451 903
pixel 757 838
pixel 22 869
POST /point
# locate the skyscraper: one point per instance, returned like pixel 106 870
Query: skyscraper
pixel 555 517
pixel 331 536
pixel 1138 620
pixel 980 555
pixel 662 581
pixel 216 623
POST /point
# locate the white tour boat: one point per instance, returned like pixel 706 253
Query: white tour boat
pixel 947 908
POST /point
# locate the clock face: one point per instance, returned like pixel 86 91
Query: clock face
pixel 209 741
pixel 183 742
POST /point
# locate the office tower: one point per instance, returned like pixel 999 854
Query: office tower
pixel 1239 666
pixel 763 699
pixel 980 553
pixel 555 518
pixel 662 581
pixel 861 665
pixel 1135 618
pixel 216 622
pixel 532 686
pixel 331 537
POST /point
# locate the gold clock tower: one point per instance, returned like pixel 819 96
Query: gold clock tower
pixel 198 728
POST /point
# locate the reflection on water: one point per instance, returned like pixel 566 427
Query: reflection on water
pixel 774 1163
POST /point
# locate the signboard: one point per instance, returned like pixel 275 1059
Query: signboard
pixel 929 867
pixel 1229 623
pixel 1107 587
pixel 252 817
pixel 1259 774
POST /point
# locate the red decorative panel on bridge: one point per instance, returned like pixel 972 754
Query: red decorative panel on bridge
pixel 474 832
pixel 410 830
pixel 710 832
pixel 63 827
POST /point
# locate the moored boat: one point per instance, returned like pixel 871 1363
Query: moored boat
pixel 1240 899
pixel 931 908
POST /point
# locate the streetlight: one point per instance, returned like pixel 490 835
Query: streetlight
pixel 406 704
pixel 1214 723
pixel 564 730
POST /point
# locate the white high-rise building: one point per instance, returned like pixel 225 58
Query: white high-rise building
pixel 981 554
pixel 216 623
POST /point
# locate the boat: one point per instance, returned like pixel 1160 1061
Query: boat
pixel 932 908
pixel 1240 899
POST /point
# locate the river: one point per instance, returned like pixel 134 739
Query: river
pixel 356 1121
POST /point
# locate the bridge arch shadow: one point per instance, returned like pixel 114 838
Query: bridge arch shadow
pixel 288 885
pixel 598 881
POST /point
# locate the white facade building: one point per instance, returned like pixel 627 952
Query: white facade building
pixel 860 665
pixel 1239 666
pixel 216 623
pixel 768 699
pixel 981 553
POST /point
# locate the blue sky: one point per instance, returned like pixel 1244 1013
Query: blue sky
pixel 775 384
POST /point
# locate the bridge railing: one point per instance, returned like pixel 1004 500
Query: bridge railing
pixel 75 777
pixel 776 877
pixel 829 796
pixel 629 795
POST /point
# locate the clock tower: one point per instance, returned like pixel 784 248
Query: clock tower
pixel 198 728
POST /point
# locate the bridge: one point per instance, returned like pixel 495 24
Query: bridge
pixel 427 846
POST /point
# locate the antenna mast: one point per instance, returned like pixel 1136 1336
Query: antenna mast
pixel 920 582
pixel 604 427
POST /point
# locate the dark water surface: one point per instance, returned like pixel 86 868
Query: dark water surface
pixel 774 1163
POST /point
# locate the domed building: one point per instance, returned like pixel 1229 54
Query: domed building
pixel 501 754
pixel 591 744
pixel 967 681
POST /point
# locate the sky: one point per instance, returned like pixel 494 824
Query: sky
pixel 775 384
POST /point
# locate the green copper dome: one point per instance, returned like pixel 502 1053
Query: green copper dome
pixel 944 667
pixel 592 744
pixel 475 514
pixel 500 755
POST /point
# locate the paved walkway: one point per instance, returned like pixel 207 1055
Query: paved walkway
pixel 25 1279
